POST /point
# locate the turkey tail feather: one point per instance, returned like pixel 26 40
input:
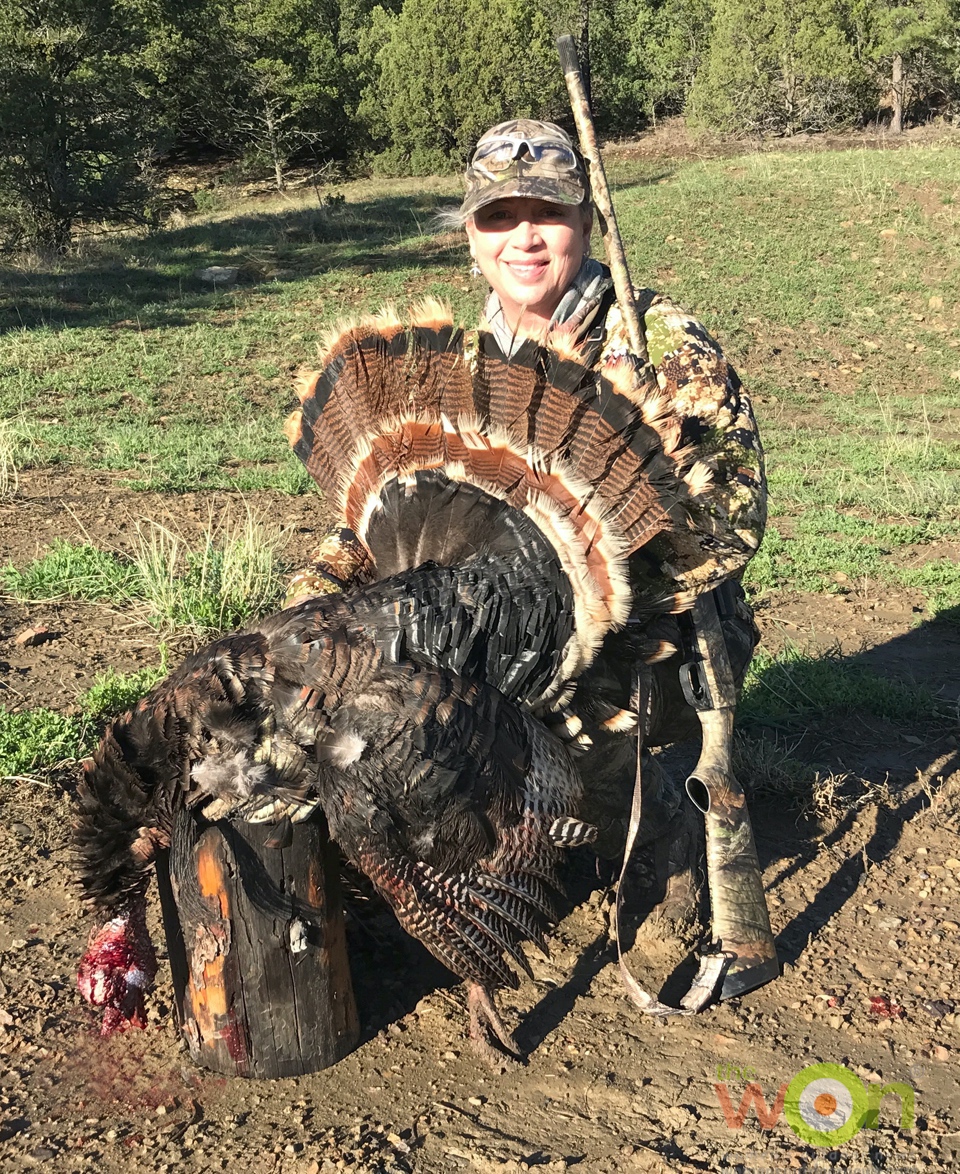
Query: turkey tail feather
pixel 402 417
pixel 463 922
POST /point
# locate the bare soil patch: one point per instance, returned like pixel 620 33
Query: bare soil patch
pixel 865 906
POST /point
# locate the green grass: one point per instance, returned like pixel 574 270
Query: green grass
pixel 792 688
pixel 112 692
pixel 37 740
pixel 123 360
pixel 72 571
pixel 232 578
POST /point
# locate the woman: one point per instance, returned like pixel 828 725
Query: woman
pixel 528 217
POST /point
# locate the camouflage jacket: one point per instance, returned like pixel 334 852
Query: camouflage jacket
pixel 710 415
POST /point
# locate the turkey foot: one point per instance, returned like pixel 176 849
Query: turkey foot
pixel 483 1016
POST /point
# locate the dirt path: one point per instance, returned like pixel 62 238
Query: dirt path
pixel 866 907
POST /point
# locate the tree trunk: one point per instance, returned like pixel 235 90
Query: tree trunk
pixel 53 210
pixel 897 90
pixel 257 948
pixel 273 138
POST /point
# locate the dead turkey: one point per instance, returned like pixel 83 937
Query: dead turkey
pixel 452 800
pixel 511 516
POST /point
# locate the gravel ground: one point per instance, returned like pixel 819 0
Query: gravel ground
pixel 866 906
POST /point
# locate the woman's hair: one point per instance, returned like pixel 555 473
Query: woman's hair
pixel 449 219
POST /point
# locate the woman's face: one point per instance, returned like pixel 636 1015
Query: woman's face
pixel 529 250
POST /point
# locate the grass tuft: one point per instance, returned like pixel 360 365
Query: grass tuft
pixel 37 740
pixel 233 578
pixel 767 768
pixel 72 571
pixel 112 693
pixel 9 473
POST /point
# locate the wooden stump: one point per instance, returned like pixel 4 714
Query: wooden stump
pixel 258 949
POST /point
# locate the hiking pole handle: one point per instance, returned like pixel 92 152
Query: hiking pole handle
pixel 582 116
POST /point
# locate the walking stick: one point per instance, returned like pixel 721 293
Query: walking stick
pixel 582 116
pixel 743 954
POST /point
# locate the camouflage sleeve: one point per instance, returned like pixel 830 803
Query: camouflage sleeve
pixel 710 417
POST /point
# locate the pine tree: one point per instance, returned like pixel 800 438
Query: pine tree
pixel 76 126
pixel 446 70
pixel 911 52
pixel 273 81
pixel 777 66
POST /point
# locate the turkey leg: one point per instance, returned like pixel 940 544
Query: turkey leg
pixel 483 1016
pixel 739 917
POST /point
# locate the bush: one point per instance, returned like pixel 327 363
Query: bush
pixel 445 72
pixel 76 130
pixel 774 68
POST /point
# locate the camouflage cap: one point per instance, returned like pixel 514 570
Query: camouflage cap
pixel 525 158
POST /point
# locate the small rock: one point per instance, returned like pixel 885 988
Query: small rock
pixel 218 274
pixel 939 1052
pixel 32 636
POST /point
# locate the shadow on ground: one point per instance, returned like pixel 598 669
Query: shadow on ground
pixel 151 281
pixel 905 756
pixel 889 754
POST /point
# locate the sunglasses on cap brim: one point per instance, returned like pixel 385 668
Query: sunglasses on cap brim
pixel 498 155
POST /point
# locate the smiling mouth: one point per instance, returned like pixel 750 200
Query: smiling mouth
pixel 527 270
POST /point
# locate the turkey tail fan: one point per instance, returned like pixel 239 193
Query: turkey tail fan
pixel 401 414
pixel 368 412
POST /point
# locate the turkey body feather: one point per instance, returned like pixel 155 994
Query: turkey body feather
pixel 452 799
